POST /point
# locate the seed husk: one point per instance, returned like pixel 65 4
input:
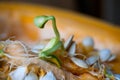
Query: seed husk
pixel 117 76
pixel 104 55
pixel 19 73
pixel 91 60
pixel 31 76
pixel 68 42
pixel 79 62
pixel 37 48
pixel 113 56
pixel 72 49
pixel 107 78
pixel 88 43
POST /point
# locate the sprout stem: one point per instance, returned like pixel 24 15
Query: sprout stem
pixel 54 44
pixel 55 27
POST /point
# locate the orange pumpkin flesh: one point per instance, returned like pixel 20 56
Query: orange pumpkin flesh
pixel 19 18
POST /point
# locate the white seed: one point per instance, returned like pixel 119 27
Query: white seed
pixel 19 73
pixel 79 62
pixel 88 42
pixel 117 76
pixel 37 48
pixel 91 60
pixel 31 76
pixel 68 42
pixel 72 49
pixel 104 54
pixel 113 56
pixel 107 78
pixel 48 76
pixel 40 46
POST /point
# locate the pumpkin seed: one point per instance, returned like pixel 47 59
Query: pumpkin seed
pixel 107 78
pixel 72 49
pixel 91 60
pixel 113 56
pixel 104 54
pixel 68 42
pixel 31 76
pixel 88 43
pixel 79 62
pixel 117 76
pixel 37 48
pixel 19 73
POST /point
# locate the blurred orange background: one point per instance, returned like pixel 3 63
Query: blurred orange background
pixel 107 10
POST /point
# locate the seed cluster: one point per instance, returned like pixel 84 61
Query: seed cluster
pixel 94 60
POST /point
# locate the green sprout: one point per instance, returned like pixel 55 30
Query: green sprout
pixel 1 53
pixel 54 44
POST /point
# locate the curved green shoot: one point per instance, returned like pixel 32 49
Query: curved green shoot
pixel 54 44
pixel 40 21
